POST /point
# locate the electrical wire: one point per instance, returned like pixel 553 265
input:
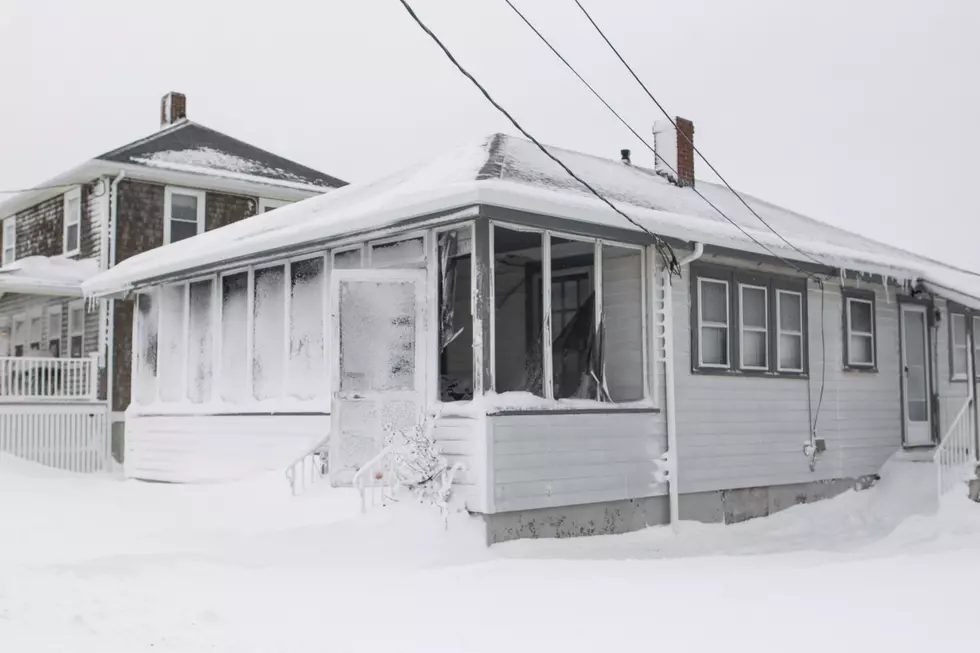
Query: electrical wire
pixel 666 251
pixel 29 190
pixel 688 139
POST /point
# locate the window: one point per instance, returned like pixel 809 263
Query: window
pixel 348 259
pixel 20 334
pixel 399 254
pixel 621 317
pixel 455 315
pixel 9 240
pixel 36 332
pixel 183 212
pixel 76 328
pixel 234 338
pixel 958 346
pixel 200 341
pixel 517 353
pixel 750 323
pixel 266 205
pixel 307 377
pixel 54 331
pixel 859 323
pixel 147 332
pixel 72 221
pixel 172 343
pixel 789 331
pixel 573 323
pixel 268 332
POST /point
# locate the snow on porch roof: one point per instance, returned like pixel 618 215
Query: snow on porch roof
pixel 43 275
pixel 512 173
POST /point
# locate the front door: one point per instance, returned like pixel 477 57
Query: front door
pixel 378 363
pixel 915 375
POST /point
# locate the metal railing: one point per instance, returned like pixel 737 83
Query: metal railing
pixel 30 378
pixel 309 468
pixel 378 470
pixel 956 455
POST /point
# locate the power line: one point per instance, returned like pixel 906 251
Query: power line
pixel 666 251
pixel 645 142
pixel 687 138
pixel 29 190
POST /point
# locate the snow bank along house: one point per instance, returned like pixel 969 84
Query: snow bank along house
pixel 64 364
pixel 583 386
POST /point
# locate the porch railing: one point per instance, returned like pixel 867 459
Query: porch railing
pixel 956 456
pixel 373 480
pixel 70 436
pixel 42 379
pixel 305 471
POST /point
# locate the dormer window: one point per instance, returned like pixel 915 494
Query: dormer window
pixel 71 236
pixel 9 240
pixel 183 214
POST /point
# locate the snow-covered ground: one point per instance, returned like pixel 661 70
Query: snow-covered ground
pixel 100 564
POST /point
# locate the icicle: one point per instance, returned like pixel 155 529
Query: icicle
pixel 888 298
pixel 842 273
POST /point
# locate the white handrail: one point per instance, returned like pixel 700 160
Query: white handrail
pixel 361 474
pixel 37 378
pixel 306 470
pixel 956 453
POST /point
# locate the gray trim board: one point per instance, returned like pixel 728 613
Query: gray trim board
pixel 573 227
pixel 481 261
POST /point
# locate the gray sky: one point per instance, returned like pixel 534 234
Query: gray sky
pixel 862 113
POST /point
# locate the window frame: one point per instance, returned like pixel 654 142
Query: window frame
pixel 12 244
pixel 72 220
pixel 850 296
pixel 169 192
pixel 737 278
pixel 727 325
pixel 780 332
pixel 267 204
pixel 953 348
pixel 72 332
pixel 54 310
pixel 742 328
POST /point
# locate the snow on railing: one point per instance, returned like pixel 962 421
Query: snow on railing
pixel 48 379
pixel 378 470
pixel 309 468
pixel 956 455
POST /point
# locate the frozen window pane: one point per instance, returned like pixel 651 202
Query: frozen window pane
pixel 790 312
pixel 518 302
pixel 861 350
pixel 714 301
pixel 172 348
pixel 183 207
pixel 182 230
pixel 753 307
pixel 234 345
pixel 377 335
pixel 71 237
pixel 455 316
pixel 860 316
pixel 269 335
pixel 754 350
pixel 790 352
pixel 714 346
pixel 622 322
pixel 349 260
pixel 307 370
pixel 402 254
pixel 200 343
pixel 147 309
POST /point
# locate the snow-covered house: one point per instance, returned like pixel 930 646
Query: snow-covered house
pixel 584 382
pixel 182 180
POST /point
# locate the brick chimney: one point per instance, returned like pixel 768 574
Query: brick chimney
pixel 173 108
pixel 675 149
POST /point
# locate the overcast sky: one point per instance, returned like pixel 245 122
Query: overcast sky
pixel 862 113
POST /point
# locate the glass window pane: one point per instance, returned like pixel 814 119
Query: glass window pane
pixel 790 352
pixel 575 367
pixel 790 311
pixel 860 351
pixel 754 349
pixel 147 324
pixel 200 343
pixel 183 207
pixel 269 334
pixel 402 254
pixel 455 316
pixel 860 315
pixel 71 239
pixel 349 260
pixel 915 336
pixel 76 346
pixel 182 230
pixel 234 346
pixel 377 335
pixel 518 305
pixel 307 376
pixel 714 346
pixel 753 306
pixel 714 301
pixel 622 322
pixel 172 349
pixel 959 329
pixel 918 411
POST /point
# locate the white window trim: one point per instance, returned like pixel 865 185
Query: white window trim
pixel 742 327
pixel 69 220
pixel 168 205
pixel 76 329
pixel 780 331
pixel 718 325
pixel 851 331
pixel 53 310
pixel 267 204
pixel 959 349
pixel 10 245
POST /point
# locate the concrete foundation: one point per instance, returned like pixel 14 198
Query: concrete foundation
pixel 722 506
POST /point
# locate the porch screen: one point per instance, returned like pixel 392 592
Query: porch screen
pixel 455 316
pixel 622 322
pixel 234 345
pixel 269 332
pixel 172 312
pixel 517 352
pixel 307 377
pixel 147 325
pixel 200 342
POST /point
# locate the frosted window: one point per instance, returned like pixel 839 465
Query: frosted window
pixel 200 343
pixel 860 339
pixel 377 335
pixel 517 349
pixel 622 322
pixel 713 319
pixel 455 316
pixel 754 315
pixel 269 334
pixel 348 260
pixel 172 347
pixel 401 254
pixel 307 370
pixel 147 325
pixel 234 345
pixel 960 349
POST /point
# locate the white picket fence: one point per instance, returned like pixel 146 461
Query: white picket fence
pixel 56 379
pixel 956 457
pixel 72 437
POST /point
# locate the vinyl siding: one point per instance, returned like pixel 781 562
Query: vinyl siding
pixel 462 440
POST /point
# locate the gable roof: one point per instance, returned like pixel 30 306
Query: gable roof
pixel 190 147
pixel 512 173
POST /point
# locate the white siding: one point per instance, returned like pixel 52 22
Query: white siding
pixel 737 431
pixel 462 440
pixel 202 448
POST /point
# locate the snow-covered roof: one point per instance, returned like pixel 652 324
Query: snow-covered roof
pixel 47 275
pixel 512 173
pixel 190 147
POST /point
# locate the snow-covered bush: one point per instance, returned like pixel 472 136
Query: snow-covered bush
pixel 417 464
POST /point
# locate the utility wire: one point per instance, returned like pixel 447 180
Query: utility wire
pixel 645 142
pixel 687 138
pixel 29 190
pixel 666 251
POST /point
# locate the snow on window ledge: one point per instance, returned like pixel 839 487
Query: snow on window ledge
pixel 265 407
pixel 525 402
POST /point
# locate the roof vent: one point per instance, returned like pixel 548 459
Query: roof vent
pixel 625 154
pixel 173 108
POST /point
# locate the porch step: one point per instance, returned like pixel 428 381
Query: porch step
pixel 917 455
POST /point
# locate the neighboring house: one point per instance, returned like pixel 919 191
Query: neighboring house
pixel 176 183
pixel 584 386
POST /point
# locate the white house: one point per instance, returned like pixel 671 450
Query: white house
pixel 585 383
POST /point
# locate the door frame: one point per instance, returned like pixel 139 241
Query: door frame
pixel 928 307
